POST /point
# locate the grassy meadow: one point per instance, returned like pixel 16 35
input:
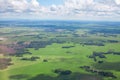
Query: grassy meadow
pixel 36 53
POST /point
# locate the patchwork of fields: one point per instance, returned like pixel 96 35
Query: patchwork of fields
pixel 59 50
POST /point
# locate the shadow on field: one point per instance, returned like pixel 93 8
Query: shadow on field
pixel 19 77
pixel 74 76
pixel 108 66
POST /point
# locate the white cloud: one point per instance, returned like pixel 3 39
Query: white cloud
pixel 89 7
pixel 70 8
pixel 117 2
pixel 18 5
pixel 13 5
pixel 34 5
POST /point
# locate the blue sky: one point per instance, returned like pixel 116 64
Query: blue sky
pixel 60 9
pixel 50 2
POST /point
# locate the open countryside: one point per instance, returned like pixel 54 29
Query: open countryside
pixel 59 50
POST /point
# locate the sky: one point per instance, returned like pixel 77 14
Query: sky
pixel 60 9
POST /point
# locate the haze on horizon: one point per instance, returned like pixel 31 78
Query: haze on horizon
pixel 60 9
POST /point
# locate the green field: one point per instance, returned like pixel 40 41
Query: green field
pixel 60 49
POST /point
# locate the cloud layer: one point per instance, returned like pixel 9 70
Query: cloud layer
pixel 70 8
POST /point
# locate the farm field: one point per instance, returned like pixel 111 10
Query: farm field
pixel 59 50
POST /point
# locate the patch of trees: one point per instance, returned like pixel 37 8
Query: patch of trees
pixel 45 60
pixel 97 54
pixel 108 35
pixel 62 72
pixel 106 74
pixel 76 35
pixel 39 37
pixel 42 44
pixel 113 41
pixel 93 43
pixel 38 44
pixel 5 62
pixel 101 73
pixel 110 31
pixel 62 36
pixel 100 61
pixel 55 40
pixel 112 52
pixel 67 46
pixel 102 55
pixel 116 53
pixel 33 58
pixel 20 52
pixel 20 42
